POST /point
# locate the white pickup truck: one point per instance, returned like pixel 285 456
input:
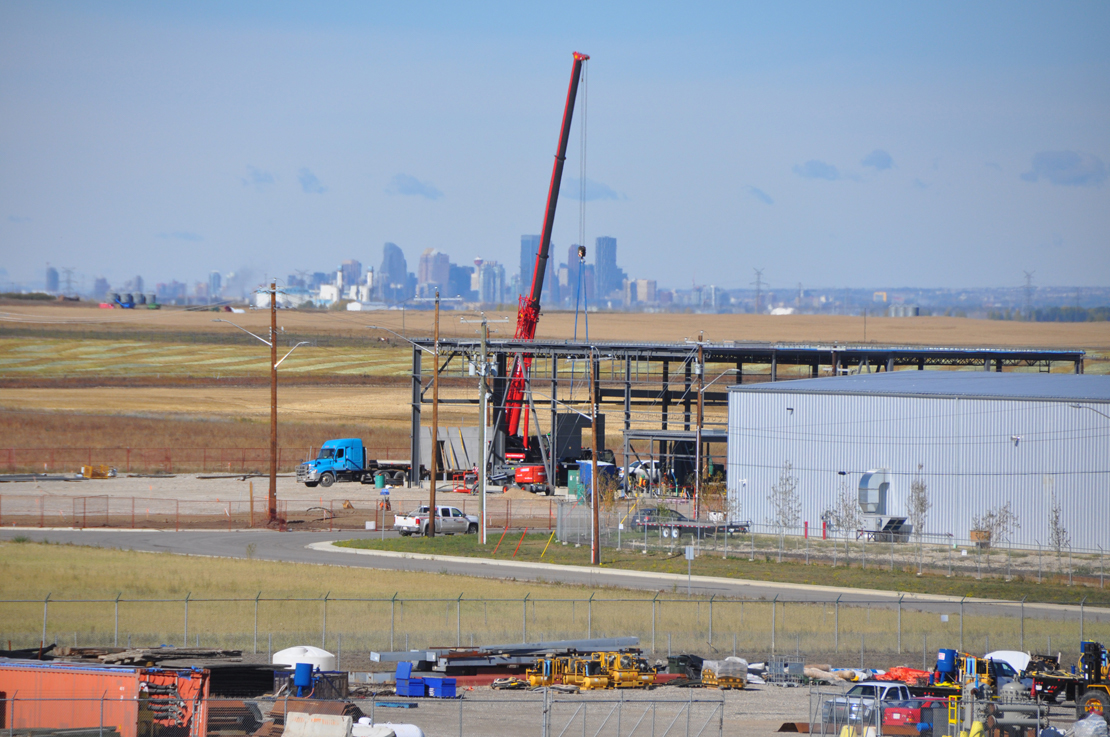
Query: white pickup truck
pixel 449 521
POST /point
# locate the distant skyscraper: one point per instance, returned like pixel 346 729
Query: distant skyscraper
pixel 434 270
pixel 529 249
pixel 215 286
pixel 51 279
pixel 393 275
pixel 100 287
pixel 609 277
pixel 491 283
pixel 351 271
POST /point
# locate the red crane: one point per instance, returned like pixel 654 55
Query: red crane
pixel 528 314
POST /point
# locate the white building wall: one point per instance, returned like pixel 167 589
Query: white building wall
pixel 971 461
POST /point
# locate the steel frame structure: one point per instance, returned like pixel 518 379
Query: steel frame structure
pixel 671 407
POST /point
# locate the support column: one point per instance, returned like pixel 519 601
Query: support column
pixel 1079 366
pixel 921 364
pixel 500 383
pixel 686 399
pixel 889 363
pixel 813 370
pixel 998 365
pixel 774 366
pixel 666 392
pixel 627 392
pixel 739 372
pixel 554 416
pixel 414 441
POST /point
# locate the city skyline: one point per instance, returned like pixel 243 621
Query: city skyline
pixel 945 144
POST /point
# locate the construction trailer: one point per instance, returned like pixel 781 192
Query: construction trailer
pixel 132 701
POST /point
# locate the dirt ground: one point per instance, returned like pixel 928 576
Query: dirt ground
pixel 603 326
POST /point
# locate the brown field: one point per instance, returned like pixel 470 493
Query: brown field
pixel 956 331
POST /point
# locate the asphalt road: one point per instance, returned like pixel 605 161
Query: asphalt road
pixel 294 547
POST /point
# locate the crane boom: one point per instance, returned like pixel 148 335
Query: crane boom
pixel 528 313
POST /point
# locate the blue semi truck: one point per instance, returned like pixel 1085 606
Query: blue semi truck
pixel 345 460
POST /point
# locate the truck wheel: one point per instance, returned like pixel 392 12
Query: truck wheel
pixel 405 534
pixel 311 484
pixel 550 491
pixel 472 529
pixel 425 530
pixel 1093 702
pixel 327 479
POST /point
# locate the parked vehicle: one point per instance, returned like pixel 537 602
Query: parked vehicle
pixel 675 524
pixel 861 701
pixel 532 478
pixel 345 460
pixel 448 521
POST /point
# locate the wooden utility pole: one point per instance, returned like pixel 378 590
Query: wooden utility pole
pixel 433 513
pixel 595 537
pixel 272 502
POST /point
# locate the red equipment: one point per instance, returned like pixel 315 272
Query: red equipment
pixel 528 313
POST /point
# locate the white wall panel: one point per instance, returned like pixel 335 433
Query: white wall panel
pixel 971 461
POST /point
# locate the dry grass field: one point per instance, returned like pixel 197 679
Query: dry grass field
pixel 430 611
pixel 86 320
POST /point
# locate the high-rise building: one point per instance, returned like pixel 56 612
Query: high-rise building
pixel 610 277
pixel 100 287
pixel 215 285
pixel 394 283
pixel 491 283
pixel 529 249
pixel 459 283
pixel 51 280
pixel 433 271
pixel 351 271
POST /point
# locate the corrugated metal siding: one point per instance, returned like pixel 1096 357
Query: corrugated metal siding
pixel 970 461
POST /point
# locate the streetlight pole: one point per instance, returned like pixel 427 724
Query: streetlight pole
pixel 482 432
pixel 697 451
pixel 272 501
pixel 433 513
pixel 595 537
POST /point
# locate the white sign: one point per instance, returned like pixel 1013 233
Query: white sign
pixel 689 552
pixel 620 526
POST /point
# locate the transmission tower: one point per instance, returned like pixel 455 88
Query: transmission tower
pixel 1029 294
pixel 758 290
pixel 68 274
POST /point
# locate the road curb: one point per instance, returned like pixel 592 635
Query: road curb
pixel 677 578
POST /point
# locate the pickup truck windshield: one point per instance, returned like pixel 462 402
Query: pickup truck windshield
pixel 326 454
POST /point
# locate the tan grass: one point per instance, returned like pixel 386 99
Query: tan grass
pixel 603 326
pixel 491 611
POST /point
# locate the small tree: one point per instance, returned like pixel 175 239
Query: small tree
pixel 1058 536
pixel 998 522
pixel 786 506
pixel 918 507
pixel 844 515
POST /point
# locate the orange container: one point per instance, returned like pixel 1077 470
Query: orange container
pixel 137 702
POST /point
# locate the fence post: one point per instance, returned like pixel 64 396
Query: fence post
pixel 458 621
pixel 836 627
pixel 256 622
pixel 774 612
pixel 115 638
pixel 324 626
pixel 590 618
pixel 185 637
pixel 1081 603
pixel 45 605
pixel 524 619
pixel 962 624
pixel 1022 640
pixel 902 596
pixel 711 598
pixel 653 603
pixel 392 611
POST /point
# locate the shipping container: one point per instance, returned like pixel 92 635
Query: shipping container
pixel 136 702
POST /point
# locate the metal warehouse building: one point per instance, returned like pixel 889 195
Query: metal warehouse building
pixel 982 439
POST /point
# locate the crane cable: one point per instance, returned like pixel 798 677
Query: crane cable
pixel 580 295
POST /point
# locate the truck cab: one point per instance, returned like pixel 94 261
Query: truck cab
pixel 338 460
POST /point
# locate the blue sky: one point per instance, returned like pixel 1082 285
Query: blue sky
pixel 832 144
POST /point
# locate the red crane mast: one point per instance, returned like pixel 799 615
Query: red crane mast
pixel 528 314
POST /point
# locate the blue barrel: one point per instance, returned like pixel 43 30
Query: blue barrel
pixel 302 675
pixel 946 661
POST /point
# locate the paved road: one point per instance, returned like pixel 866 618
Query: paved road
pixel 295 547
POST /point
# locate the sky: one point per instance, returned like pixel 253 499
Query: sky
pixel 939 144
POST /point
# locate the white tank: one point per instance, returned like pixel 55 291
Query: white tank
pixel 318 657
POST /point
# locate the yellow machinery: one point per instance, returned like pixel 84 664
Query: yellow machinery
pixel 601 670
pixel 724 674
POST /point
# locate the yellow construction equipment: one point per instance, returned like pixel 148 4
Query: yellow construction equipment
pixel 598 671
